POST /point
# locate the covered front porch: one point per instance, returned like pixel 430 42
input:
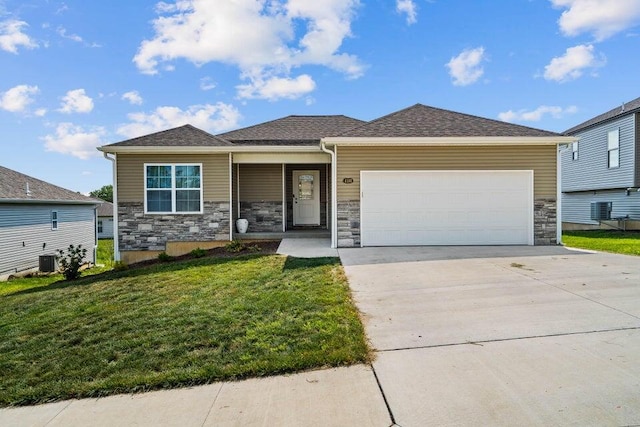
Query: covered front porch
pixel 281 195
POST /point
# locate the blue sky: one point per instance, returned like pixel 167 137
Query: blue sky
pixel 79 74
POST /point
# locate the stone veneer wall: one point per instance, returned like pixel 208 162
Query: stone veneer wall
pixel 262 216
pixel 138 231
pixel 348 223
pixel 544 224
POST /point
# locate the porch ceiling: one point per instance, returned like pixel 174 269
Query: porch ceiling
pixel 280 158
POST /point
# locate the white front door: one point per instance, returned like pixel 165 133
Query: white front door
pixel 306 197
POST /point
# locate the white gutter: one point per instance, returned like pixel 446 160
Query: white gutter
pixel 334 195
pixel 116 246
pixel 208 150
pixel 49 201
pixel 450 141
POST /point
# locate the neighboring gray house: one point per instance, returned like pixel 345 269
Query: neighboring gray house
pixel 37 218
pixel 601 172
pixel 105 220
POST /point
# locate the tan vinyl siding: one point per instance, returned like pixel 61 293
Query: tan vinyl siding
pixel 540 159
pixel 260 183
pixel 215 169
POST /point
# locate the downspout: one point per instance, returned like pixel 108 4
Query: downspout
pixel 95 236
pixel 230 197
pixel 116 237
pixel 334 195
pixel 561 148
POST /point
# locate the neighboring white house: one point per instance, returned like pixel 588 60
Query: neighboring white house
pixel 105 220
pixel 38 218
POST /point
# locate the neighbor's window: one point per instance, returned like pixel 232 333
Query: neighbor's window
pixel 613 148
pixel 100 226
pixel 171 188
pixel 54 220
pixel 574 151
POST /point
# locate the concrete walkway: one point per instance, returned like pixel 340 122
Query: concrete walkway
pixel 333 397
pixel 307 248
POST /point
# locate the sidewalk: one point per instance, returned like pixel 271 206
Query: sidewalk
pixel 346 396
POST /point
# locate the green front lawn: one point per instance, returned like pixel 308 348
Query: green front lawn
pixel 621 242
pixel 176 324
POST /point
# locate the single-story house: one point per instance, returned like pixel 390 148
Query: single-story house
pixel 38 218
pixel 105 220
pixel 419 176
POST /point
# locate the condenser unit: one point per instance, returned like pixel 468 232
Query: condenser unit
pixel 601 211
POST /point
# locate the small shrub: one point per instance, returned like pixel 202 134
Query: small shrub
pixel 235 246
pixel 120 266
pixel 254 248
pixel 198 253
pixel 164 257
pixel 71 261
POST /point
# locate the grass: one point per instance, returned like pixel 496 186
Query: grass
pixel 104 258
pixel 176 324
pixel 621 242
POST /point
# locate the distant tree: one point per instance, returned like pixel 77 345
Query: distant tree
pixel 105 193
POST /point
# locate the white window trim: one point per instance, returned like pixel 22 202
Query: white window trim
pixel 616 149
pixel 174 189
pixel 575 154
pixel 54 222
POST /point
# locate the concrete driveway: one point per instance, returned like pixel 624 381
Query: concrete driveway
pixel 502 335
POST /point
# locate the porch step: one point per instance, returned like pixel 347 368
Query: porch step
pixel 292 234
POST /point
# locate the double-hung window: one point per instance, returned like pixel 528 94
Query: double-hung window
pixel 54 220
pixel 613 148
pixel 574 151
pixel 173 188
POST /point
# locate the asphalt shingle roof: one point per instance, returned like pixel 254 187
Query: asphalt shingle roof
pixel 105 209
pixel 292 130
pixel 627 108
pixel 183 136
pixel 429 122
pixel 13 186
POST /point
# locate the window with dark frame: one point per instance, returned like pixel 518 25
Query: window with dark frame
pixel 54 220
pixel 574 151
pixel 100 226
pixel 173 188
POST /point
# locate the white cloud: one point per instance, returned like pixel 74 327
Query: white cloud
pixel 211 118
pixel 76 101
pixel 133 97
pixel 264 39
pixel 75 140
pixel 409 8
pixel 12 36
pixel 207 84
pixel 277 87
pixel 18 98
pixel 537 114
pixel 62 32
pixel 602 18
pixel 40 112
pixel 572 64
pixel 466 68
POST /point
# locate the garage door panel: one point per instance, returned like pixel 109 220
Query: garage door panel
pixel 446 208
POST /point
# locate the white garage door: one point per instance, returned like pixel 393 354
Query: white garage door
pixel 401 208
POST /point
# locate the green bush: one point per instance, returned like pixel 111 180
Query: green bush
pixel 120 266
pixel 198 253
pixel 164 257
pixel 235 246
pixel 71 261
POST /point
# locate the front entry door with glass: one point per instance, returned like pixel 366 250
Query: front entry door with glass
pixel 306 197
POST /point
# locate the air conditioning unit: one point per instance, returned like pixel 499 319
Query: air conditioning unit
pixel 601 211
pixel 47 263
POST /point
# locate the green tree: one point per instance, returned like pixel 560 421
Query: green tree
pixel 104 193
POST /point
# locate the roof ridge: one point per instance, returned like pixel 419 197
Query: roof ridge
pixel 607 115
pixel 41 182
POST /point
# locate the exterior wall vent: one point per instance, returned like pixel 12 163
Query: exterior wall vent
pixel 47 263
pixel 601 211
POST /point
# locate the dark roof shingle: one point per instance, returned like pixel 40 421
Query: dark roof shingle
pixel 13 186
pixel 428 122
pixel 183 136
pixel 292 130
pixel 626 108
pixel 105 208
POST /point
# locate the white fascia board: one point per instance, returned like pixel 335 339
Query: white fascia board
pixel 451 141
pixel 210 150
